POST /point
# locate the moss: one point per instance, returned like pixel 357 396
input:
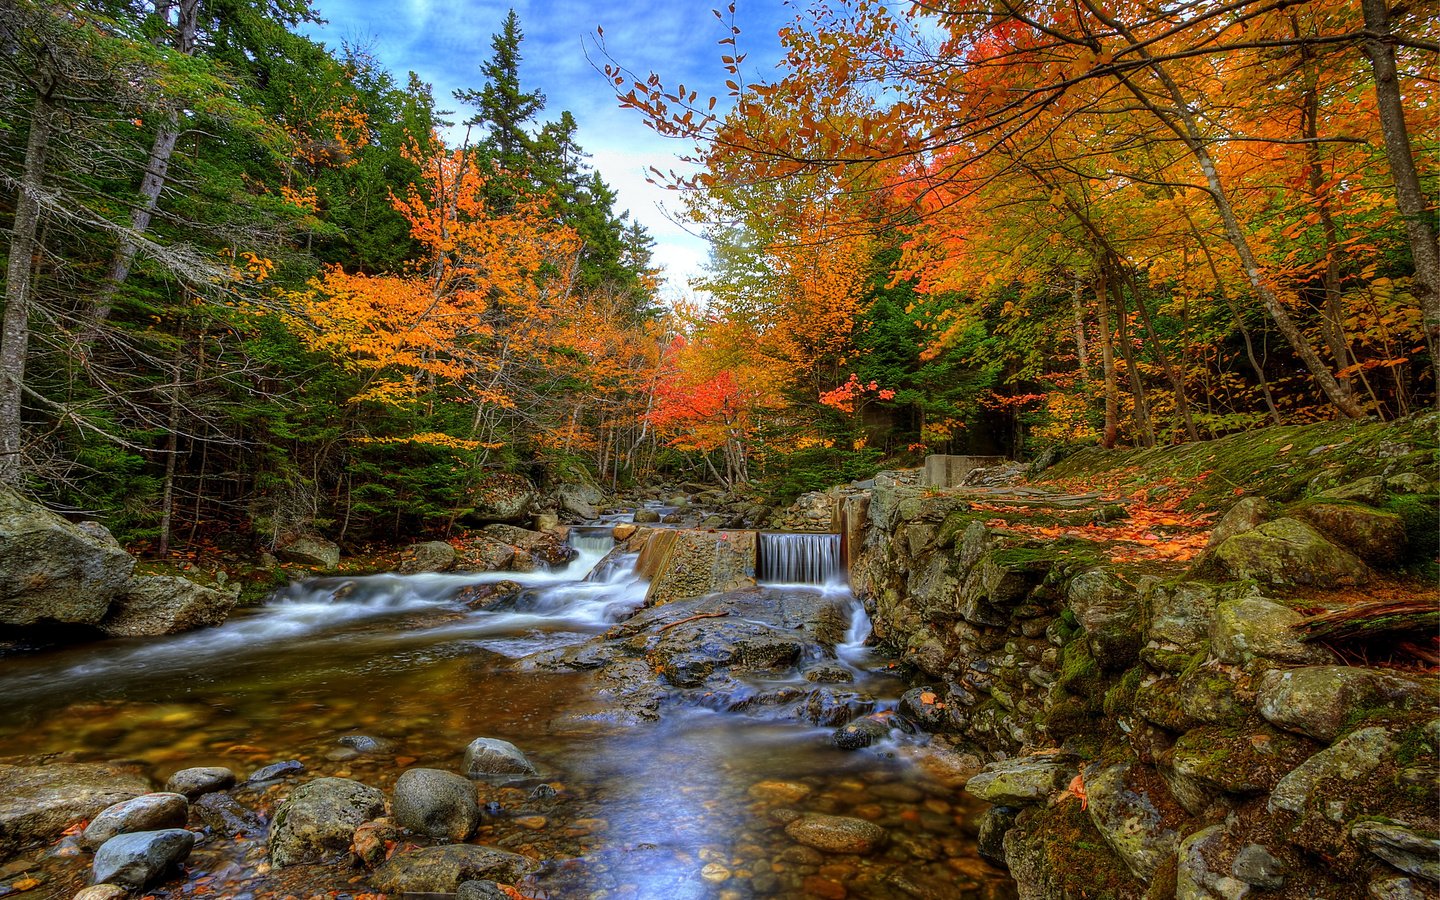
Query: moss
pixel 1056 852
pixel 1079 673
pixel 954 526
pixel 1120 699
pixel 1421 515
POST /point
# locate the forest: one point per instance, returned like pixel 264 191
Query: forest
pixel 258 285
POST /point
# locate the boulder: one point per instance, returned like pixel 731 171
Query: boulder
pixel 644 516
pixel 428 556
pixel 1289 552
pixel 1109 611
pixel 546 546
pixel 1022 780
pixel 836 834
pixel 223 814
pixel 1195 876
pixel 436 803
pixel 1135 815
pixel 1374 535
pixel 1251 628
pixel 484 596
pixel 37 803
pixel 319 818
pixel 1320 701
pixel 166 604
pixel 134 860
pixel 53 571
pixel 501 497
pixel 1181 614
pixel 1348 761
pixel 309 550
pixel 491 756
pixel 148 812
pixel 1408 850
pixel 1257 866
pixel 442 870
pixel 686 564
pixel 579 500
pixel 1247 514
pixel 1370 489
pixel 200 780
pixel 990 841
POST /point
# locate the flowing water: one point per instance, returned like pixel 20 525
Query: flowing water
pixel 691 806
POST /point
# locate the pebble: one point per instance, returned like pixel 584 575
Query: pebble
pixel 715 873
pixel 200 780
pixel 779 791
pixel 836 834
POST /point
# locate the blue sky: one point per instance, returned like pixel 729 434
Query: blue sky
pixel 447 42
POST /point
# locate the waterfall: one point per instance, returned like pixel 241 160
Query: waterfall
pixel 595 541
pixel 799 559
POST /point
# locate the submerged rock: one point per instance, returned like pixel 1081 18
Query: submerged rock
pixel 134 860
pixel 836 834
pixel 319 818
pixel 223 814
pixel 436 803
pixel 442 870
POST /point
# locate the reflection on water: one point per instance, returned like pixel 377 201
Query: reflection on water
pixel 693 806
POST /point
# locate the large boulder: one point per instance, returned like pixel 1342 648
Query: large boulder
pixel 1289 551
pixel 1374 535
pixel 309 550
pixel 436 803
pixel 545 546
pixel 54 571
pixel 441 870
pixel 429 556
pixel 1136 815
pixel 579 500
pixel 37 803
pixel 1109 611
pixel 1022 780
pixel 166 604
pixel 1349 760
pixel 1320 701
pixel 319 819
pixel 1253 628
pixel 134 860
pixel 501 497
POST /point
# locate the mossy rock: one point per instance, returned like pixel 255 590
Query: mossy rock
pixel 1376 536
pixel 1242 761
pixel 1056 852
pixel 1290 552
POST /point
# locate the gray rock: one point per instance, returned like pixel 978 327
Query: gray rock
pixel 1348 760
pixel 1256 865
pixel 319 818
pixel 1289 551
pixel 1181 614
pixel 492 756
pixel 148 812
pixel 836 834
pixel 646 516
pixel 579 500
pixel 1194 877
pixel 53 571
pixel 223 814
pixel 860 733
pixel 990 842
pixel 1137 824
pixel 1374 535
pixel 501 497
pixel 309 550
pixel 276 771
pixel 1022 780
pixel 1370 489
pixel 1109 611
pixel 1247 514
pixel 429 556
pixel 480 890
pixel 37 803
pixel 443 869
pixel 436 803
pixel 365 743
pixel 1396 889
pixel 102 892
pixel 1401 846
pixel 152 605
pixel 200 780
pixel 1249 629
pixel 1320 701
pixel 134 860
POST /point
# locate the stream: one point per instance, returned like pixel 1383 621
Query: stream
pixel 363 677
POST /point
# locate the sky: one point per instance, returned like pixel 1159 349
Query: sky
pixel 446 41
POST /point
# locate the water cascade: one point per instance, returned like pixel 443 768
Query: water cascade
pixel 786 558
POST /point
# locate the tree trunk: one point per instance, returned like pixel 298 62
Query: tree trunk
pixel 1409 199
pixel 172 450
pixel 15 328
pixel 1107 364
pixel 1173 375
pixel 1080 349
pixel 1137 387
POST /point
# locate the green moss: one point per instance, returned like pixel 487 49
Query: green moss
pixel 1120 699
pixel 1421 515
pixel 1079 673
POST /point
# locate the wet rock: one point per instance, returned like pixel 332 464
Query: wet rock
pixel 1288 551
pixel 480 890
pixel 372 841
pixel 319 818
pixel 1255 865
pixel 990 842
pixel 166 604
pixel 1022 780
pixel 492 756
pixel 54 571
pixel 444 869
pixel 136 859
pixel 1252 628
pixel 309 550
pixel 779 791
pixel 1320 700
pixel 37 803
pixel 102 892
pixel 428 556
pixel 484 596
pixel 367 744
pixel 924 707
pixel 861 733
pixel 1135 816
pixel 1348 760
pixel 836 834
pixel 148 812
pixel 436 803
pixel 1238 761
pixel 646 516
pixel 200 780
pixel 547 547
pixel 829 673
pixel 223 814
pixel 1374 535
pixel 579 500
pixel 1108 610
pixel 276 771
pixel 1196 879
pixel 688 564
pixel 1404 848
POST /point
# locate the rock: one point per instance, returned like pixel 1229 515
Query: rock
pixel 990 842
pixel 836 834
pixel 924 707
pixel 645 516
pixel 1247 514
pixel 787 792
pixel 547 547
pixel 223 814
pixel 1194 877
pixel 1135 816
pixel 1053 852
pixel 1182 614
pixel 319 818
pixel 102 892
pixel 1109 611
pixel 134 860
pixel 1255 865
pixel 436 803
pixel 365 743
pixel 1348 761
pixel 1389 889
pixel 166 604
pixel 492 756
pixel 687 564
pixel 501 497
pixel 1402 847
pixel 200 780
pixel 484 596
pixel 860 733
pixel 546 521
pixel 1320 701
pixel 53 571
pixel 1370 489
pixel 1288 551
pixel 37 803
pixel 276 771
pixel 373 840
pixel 480 890
pixel 1022 780
pixel 1376 536
pixel 1252 628
pixel 579 500
pixel 148 812
pixel 309 550
pixel 623 532
pixel 442 870
pixel 1238 761
pixel 429 556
